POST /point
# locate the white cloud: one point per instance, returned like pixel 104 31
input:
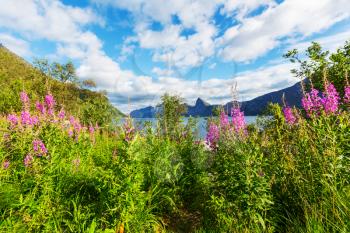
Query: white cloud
pixel 142 91
pixel 19 46
pixel 331 43
pixel 258 35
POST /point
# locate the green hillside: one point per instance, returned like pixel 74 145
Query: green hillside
pixel 17 75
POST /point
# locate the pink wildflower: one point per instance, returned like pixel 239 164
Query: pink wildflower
pixel 28 160
pixel 289 116
pixel 71 120
pixel 24 97
pixel 224 122
pixel 312 102
pixel 238 120
pixel 13 119
pixel 213 135
pixel 330 99
pixel 26 119
pixel 6 164
pixel 70 133
pixel 61 114
pixel 50 101
pixel 35 120
pixel 39 147
pixel 40 107
pixel 91 129
pixel 129 130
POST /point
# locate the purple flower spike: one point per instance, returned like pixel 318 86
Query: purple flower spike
pixel 312 102
pixel 50 101
pixel 289 116
pixel 224 122
pixel 330 100
pixel 24 97
pixel 39 147
pixel 61 114
pixel 13 119
pixel 91 129
pixel 40 107
pixel 6 164
pixel 26 118
pixel 28 160
pixel 238 120
pixel 213 135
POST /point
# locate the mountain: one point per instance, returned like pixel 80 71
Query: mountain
pixel 201 108
pixel 17 75
pixel 252 107
pixel 257 105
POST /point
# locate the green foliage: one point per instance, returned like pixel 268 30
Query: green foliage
pixel 321 65
pixel 172 108
pixel 17 75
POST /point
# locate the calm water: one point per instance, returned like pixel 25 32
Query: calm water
pixel 201 123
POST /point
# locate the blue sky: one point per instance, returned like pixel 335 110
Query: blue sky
pixel 137 50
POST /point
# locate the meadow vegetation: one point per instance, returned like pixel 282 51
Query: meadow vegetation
pixel 286 173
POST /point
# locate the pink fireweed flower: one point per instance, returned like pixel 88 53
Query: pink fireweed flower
pixel 347 94
pixel 61 114
pixel 238 120
pixel 40 107
pixel 6 164
pixel 224 122
pixel 26 118
pixel 50 101
pixel 312 102
pixel 50 111
pixel 289 115
pixel 213 135
pixel 24 97
pixel 91 129
pixel 71 120
pixel 129 130
pixel 28 160
pixel 330 99
pixel 70 133
pixel 13 119
pixel 39 147
pixel 77 127
pixel 35 120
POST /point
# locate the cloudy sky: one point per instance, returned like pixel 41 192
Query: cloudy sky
pixel 138 49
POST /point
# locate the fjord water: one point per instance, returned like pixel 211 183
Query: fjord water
pixel 201 123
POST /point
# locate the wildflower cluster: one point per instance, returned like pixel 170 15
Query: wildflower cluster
pixel 347 95
pixel 314 102
pixel 237 127
pixel 44 115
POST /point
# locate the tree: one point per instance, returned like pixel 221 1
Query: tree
pixel 172 108
pixel 321 65
pixel 62 72
pixel 89 83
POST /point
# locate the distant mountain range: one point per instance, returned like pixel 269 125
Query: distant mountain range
pixel 252 107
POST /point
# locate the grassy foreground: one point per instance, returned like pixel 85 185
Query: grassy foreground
pixel 290 173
